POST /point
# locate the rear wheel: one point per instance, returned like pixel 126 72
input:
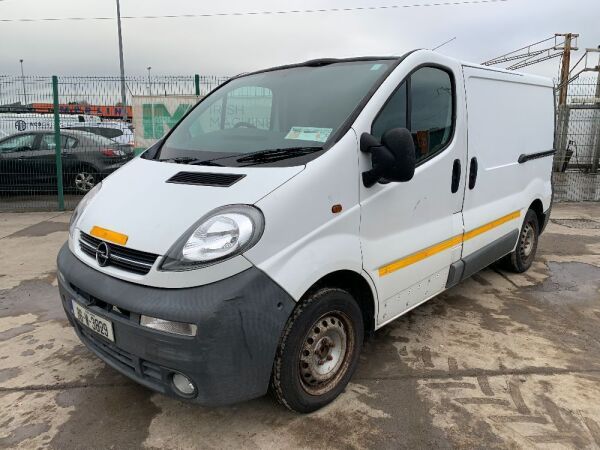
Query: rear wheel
pixel 319 350
pixel 522 257
pixel 85 179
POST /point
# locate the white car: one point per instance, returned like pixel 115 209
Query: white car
pixel 297 209
pixel 12 123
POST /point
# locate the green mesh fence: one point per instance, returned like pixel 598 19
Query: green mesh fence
pixel 97 132
pixel 45 169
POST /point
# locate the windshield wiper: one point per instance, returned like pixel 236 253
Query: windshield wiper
pixel 276 154
pixel 179 160
pixel 261 156
pixel 190 161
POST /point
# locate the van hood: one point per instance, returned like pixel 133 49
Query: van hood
pixel 137 200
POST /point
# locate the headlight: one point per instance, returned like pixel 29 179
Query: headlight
pixel 81 207
pixel 221 234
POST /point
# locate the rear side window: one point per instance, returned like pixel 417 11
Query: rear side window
pixel 98 140
pixel 108 132
pixel 70 142
pixel 424 103
pixel 48 142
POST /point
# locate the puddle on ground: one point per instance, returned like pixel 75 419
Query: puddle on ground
pixel 569 282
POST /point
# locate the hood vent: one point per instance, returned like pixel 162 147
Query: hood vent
pixel 206 179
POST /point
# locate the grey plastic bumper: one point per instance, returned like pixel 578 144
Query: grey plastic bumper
pixel 239 321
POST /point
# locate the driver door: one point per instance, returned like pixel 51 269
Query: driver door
pixel 411 231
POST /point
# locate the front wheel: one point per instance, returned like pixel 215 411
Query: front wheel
pixel 318 351
pixel 522 257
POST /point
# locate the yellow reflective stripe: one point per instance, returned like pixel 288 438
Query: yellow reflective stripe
pixel 108 235
pixel 420 255
pixel 444 245
pixel 488 226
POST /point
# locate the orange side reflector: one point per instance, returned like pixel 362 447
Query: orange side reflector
pixel 108 235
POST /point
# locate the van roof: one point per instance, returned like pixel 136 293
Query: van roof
pixel 536 79
pixel 326 61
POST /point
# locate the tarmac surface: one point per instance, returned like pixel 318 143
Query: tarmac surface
pixel 502 360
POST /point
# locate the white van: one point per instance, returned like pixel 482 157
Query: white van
pixel 12 123
pixel 297 209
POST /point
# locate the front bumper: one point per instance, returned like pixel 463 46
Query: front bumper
pixel 239 321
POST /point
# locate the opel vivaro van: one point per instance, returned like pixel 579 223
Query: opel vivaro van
pixel 297 209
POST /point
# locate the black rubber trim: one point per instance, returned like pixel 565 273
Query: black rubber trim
pixel 546 218
pixel 239 322
pixel 480 259
pixel 528 157
pixel 455 273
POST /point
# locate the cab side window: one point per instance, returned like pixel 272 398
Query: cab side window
pixel 424 104
pixel 393 114
pixel 431 110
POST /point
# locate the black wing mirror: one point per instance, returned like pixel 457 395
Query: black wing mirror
pixel 393 158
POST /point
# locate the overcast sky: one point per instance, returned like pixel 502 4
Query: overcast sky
pixel 230 45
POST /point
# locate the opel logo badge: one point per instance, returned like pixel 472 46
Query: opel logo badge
pixel 102 254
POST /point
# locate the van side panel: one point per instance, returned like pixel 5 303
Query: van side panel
pixel 304 240
pixel 509 115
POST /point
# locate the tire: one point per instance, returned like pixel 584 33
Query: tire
pixel 522 257
pixel 84 179
pixel 318 350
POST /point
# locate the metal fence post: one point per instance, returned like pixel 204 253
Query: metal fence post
pixel 596 136
pixel 197 84
pixel 57 149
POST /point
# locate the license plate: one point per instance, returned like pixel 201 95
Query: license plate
pixel 95 323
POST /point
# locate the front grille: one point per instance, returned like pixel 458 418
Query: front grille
pixel 112 310
pixel 110 351
pixel 124 258
pixel 152 373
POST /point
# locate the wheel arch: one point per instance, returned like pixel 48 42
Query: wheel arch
pixel 358 286
pixel 538 208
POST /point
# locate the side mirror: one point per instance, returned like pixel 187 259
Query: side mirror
pixel 393 158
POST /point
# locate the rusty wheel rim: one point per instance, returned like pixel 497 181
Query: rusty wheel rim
pixel 527 241
pixel 325 353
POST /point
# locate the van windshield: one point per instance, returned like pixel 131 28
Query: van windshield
pixel 283 117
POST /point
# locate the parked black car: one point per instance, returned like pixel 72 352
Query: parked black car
pixel 28 160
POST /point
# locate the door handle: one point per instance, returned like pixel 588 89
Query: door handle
pixel 455 176
pixel 473 172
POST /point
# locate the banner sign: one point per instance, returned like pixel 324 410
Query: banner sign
pixel 153 116
pixel 104 111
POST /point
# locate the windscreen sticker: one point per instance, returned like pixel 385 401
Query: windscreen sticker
pixel 309 134
pixel 376 66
